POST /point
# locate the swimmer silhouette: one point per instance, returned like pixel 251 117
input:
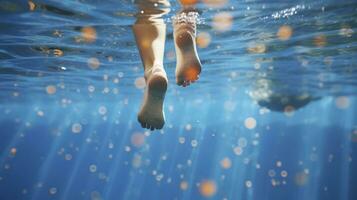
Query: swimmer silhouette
pixel 150 32
pixel 266 94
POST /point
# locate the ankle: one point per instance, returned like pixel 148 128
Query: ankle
pixel 156 69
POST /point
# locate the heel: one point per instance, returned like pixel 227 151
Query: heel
pixel 157 86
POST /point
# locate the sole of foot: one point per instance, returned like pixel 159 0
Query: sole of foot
pixel 188 65
pixel 151 115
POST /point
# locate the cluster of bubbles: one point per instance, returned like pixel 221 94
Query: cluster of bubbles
pixel 278 178
pixel 288 12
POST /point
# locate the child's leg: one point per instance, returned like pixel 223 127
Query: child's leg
pixel 188 65
pixel 150 32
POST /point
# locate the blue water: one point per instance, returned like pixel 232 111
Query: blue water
pixel 270 117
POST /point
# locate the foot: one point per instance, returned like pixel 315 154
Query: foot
pixel 151 115
pixel 188 65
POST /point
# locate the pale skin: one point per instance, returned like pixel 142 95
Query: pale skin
pixel 150 33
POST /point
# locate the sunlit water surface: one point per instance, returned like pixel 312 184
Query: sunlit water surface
pixel 273 115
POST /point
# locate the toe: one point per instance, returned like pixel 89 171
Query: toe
pixel 196 78
pixel 179 81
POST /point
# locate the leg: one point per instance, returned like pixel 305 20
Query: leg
pixel 188 66
pixel 150 32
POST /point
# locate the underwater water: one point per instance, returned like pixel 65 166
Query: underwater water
pixel 273 115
